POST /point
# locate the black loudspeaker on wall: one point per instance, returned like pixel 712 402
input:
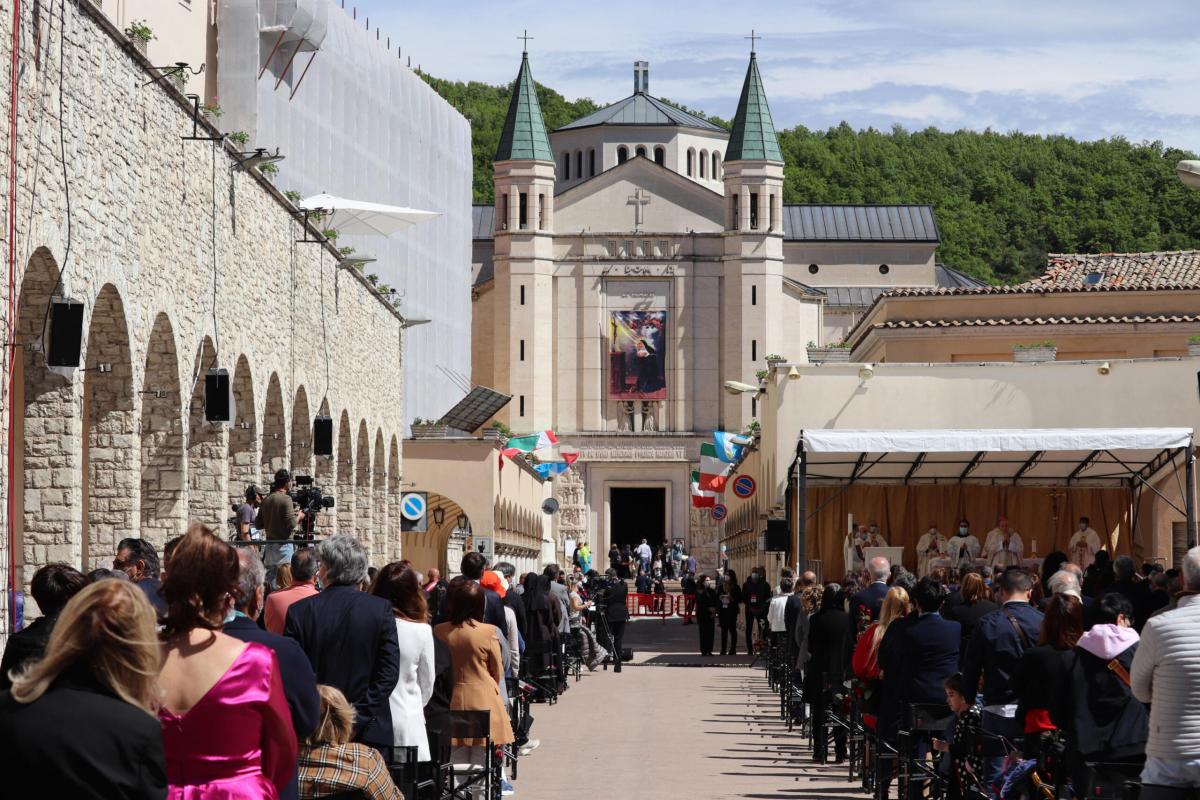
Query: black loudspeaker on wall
pixel 778 536
pixel 216 396
pixel 66 333
pixel 323 436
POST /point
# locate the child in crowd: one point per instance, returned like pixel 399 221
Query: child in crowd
pixel 958 765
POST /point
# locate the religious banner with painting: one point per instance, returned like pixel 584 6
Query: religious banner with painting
pixel 636 350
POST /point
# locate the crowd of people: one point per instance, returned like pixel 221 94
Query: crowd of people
pixel 210 675
pixel 1096 664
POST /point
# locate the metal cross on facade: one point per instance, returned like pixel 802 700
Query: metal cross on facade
pixel 638 200
pixel 525 37
pixel 752 39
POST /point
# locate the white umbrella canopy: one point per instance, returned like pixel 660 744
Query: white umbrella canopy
pixel 360 217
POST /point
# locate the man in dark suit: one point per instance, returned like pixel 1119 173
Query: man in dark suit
pixel 617 614
pixel 512 598
pixel 138 559
pixel 350 639
pixel 864 606
pixel 993 652
pixel 52 586
pixel 472 566
pixel 917 655
pixel 299 682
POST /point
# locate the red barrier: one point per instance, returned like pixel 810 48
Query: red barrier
pixel 658 605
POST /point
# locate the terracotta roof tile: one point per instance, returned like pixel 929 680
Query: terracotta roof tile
pixel 1121 270
pixel 1126 319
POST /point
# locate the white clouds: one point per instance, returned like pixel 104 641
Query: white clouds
pixel 1090 68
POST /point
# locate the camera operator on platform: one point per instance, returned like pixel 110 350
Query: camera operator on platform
pixel 611 603
pixel 278 518
pixel 247 513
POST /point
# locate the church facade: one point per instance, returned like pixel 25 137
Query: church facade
pixel 637 259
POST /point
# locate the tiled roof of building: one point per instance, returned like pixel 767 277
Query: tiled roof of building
pixel 864 296
pixel 753 134
pixel 846 223
pixel 642 109
pixel 1001 322
pixel 524 135
pixel 1120 270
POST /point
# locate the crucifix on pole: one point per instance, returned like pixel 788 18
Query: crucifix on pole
pixel 525 37
pixel 638 200
pixel 752 39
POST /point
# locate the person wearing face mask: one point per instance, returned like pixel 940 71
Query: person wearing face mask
pixel 963 548
pixel 1084 544
pixel 861 537
pixel 932 545
pixel 1003 547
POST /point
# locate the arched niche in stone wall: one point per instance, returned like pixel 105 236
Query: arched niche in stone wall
pixel 163 468
pixel 110 447
pixel 206 449
pixel 302 447
pixel 274 454
pixel 44 422
pixel 364 524
pixel 324 476
pixel 243 437
pixel 379 500
pixel 345 476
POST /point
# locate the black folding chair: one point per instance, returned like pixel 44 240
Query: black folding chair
pixel 541 669
pixel 458 780
pixel 1121 781
pixel 922 721
pixel 406 770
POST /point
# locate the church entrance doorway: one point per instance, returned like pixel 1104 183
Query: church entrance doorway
pixel 636 514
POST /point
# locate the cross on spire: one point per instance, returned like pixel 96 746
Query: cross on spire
pixel 525 37
pixel 752 39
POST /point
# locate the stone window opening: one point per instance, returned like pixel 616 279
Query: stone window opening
pixel 691 158
pixel 753 295
pixel 716 166
pixel 522 294
pixel 660 156
pixel 566 166
pixel 522 405
pixel 754 211
pixel 522 349
pixel 523 211
pixel 578 163
pixel 591 162
pixel 754 349
pixel 641 151
pixel 703 164
pixel 622 154
pixel 503 222
pixel 771 207
pixel 541 225
pixel 735 201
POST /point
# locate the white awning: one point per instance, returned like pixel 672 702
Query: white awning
pixel 1087 456
pixel 360 217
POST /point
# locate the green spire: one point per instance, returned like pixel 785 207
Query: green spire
pixel 524 136
pixel 753 134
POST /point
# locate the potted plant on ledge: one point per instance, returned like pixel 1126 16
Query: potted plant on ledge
pixel 139 34
pixel 428 428
pixel 831 352
pixel 1034 353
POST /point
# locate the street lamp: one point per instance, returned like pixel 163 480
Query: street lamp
pixel 1189 173
pixel 439 515
pixel 737 387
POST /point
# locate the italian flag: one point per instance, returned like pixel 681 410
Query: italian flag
pixel 700 497
pixel 713 471
pixel 534 441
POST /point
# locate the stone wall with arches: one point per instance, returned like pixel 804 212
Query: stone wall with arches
pixel 184 262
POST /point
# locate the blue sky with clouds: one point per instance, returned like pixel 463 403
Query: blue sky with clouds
pixel 1089 69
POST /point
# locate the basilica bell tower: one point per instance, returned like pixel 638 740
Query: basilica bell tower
pixel 524 173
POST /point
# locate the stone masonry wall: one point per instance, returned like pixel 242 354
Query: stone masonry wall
pixel 183 260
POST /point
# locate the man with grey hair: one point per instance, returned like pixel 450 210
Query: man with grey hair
pixel 864 606
pixel 299 682
pixel 1166 674
pixel 1064 582
pixel 350 639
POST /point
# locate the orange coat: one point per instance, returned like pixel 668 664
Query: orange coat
pixel 477 670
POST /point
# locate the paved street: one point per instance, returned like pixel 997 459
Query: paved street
pixel 667 727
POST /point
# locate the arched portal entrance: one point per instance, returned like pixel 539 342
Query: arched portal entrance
pixel 441 545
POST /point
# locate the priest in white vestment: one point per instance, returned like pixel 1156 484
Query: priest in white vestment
pixel 931 545
pixel 963 548
pixel 1003 547
pixel 1084 544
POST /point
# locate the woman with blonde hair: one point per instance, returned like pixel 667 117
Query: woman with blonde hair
pixel 330 764
pixel 865 663
pixel 226 728
pixel 81 722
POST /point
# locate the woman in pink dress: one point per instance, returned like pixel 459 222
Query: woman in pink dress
pixel 227 731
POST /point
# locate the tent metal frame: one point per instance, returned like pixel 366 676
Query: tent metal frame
pixel 1134 477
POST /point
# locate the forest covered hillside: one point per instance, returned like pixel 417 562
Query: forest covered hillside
pixel 1003 200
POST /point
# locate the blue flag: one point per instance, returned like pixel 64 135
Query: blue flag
pixel 729 445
